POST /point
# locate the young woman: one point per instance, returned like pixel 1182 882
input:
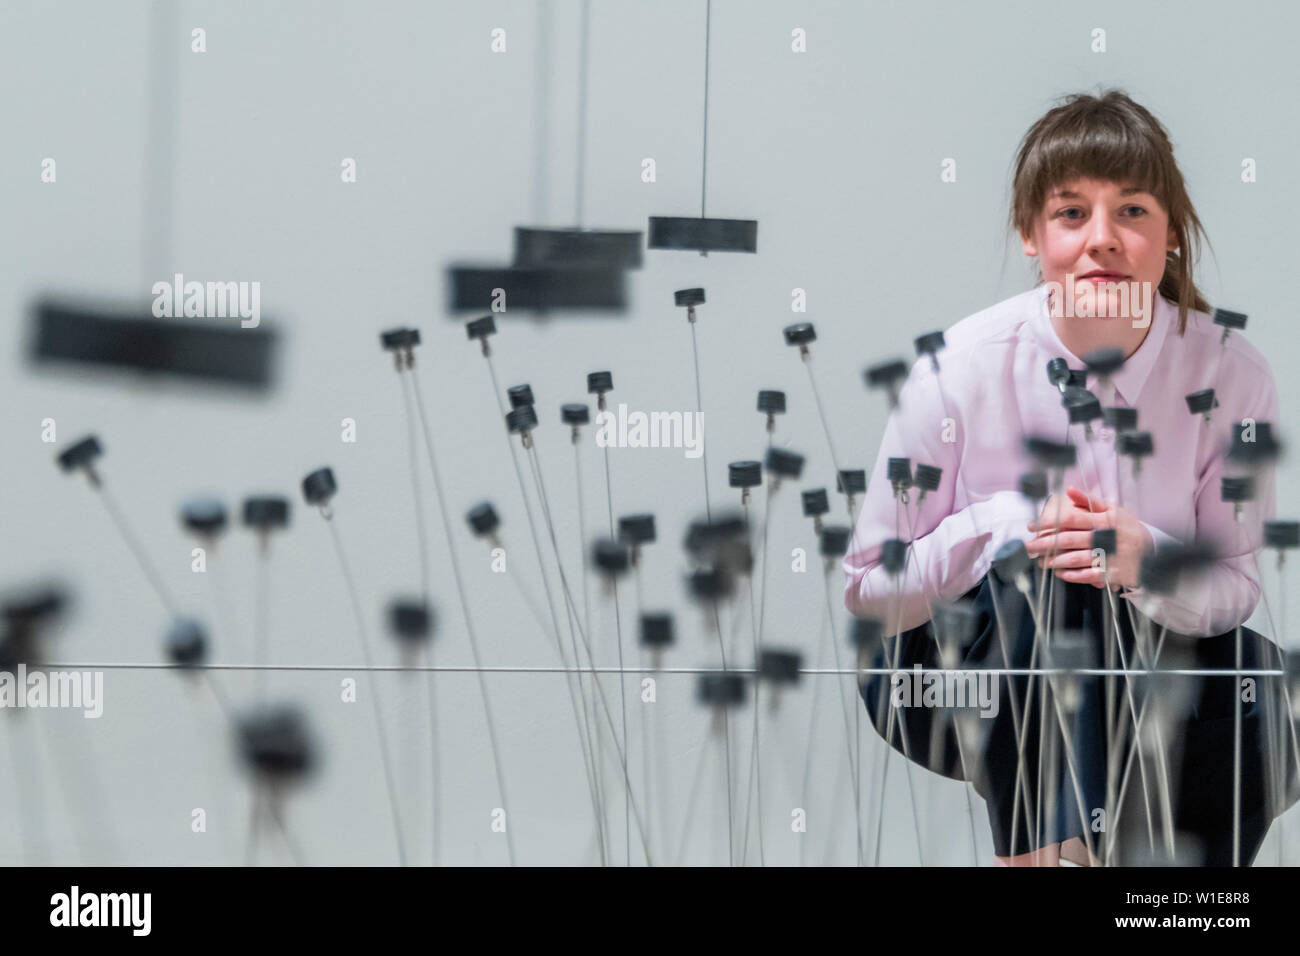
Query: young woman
pixel 1100 202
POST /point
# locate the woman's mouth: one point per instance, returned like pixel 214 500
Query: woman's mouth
pixel 1100 275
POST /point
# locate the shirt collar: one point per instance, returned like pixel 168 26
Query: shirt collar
pixel 1133 374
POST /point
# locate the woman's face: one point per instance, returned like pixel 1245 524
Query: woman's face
pixel 1116 233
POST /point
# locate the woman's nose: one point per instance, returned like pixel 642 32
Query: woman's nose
pixel 1102 233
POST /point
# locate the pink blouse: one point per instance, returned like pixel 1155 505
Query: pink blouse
pixel 992 390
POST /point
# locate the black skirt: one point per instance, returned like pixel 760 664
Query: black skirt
pixel 1196 742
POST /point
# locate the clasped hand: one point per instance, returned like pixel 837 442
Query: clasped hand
pixel 1063 540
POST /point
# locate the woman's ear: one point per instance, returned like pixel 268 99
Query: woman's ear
pixel 1172 242
pixel 1027 240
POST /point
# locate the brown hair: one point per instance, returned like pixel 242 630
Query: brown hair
pixel 1110 137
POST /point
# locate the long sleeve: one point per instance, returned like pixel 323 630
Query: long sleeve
pixel 953 538
pixel 1225 594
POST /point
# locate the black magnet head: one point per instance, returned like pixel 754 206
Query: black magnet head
pixel 686 297
pixel 1104 361
pixel 15 648
pixel 1120 419
pixel 24 613
pixel 80 453
pixel 274 742
pixel 521 419
pixel 955 623
pixel 410 619
pixel 1103 539
pixel 636 529
pixel 784 464
pixel 710 583
pixel 483 518
pixel 1229 319
pixel 204 515
pixel 26 609
pixel 1160 570
pixel 736 556
pixel 265 512
pixel 1282 534
pixel 887 374
pixel 1156 574
pixel 801 333
pixel 1253 444
pixel 685 232
pixel 851 481
pixel 899 471
pixel 1033 485
pixel 835 540
pixel 927 477
pixel 520 395
pixel 481 328
pixel 1237 488
pixel 744 474
pixel 195 348
pixel 815 503
pixel 656 630
pixel 865 633
pixel 1135 444
pixel 610 556
pixel 1198 403
pixel 319 487
pixel 598 382
pixel 1010 560
pixel 771 401
pixel 721 690
pixel 399 339
pixel 471 287
pixel 1050 454
pixel 1058 372
pixel 1081 405
pixel 779 666
pixel 929 343
pixel 705 538
pixel 893 553
pixel 577 247
pixel 575 414
pixel 186 643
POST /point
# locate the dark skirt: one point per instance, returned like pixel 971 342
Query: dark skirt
pixel 1197 740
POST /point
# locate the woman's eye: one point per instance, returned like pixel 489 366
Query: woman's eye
pixel 1137 211
pixel 1066 213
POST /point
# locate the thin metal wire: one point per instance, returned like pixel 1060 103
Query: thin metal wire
pixel 590 759
pixel 580 184
pixel 141 556
pixel 618 632
pixel 650 669
pixel 704 152
pixel 464 604
pixel 708 513
pixel 384 753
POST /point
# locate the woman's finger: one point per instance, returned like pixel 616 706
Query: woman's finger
pixel 1070 519
pixel 1085 576
pixel 1068 559
pixel 1050 541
